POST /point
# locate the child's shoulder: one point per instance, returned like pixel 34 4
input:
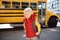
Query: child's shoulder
pixel 33 16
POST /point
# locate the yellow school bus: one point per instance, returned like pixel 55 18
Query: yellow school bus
pixel 11 11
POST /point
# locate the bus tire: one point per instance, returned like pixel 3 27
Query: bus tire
pixel 52 22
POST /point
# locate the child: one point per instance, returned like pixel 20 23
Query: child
pixel 29 17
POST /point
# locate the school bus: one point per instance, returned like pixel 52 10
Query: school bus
pixel 11 11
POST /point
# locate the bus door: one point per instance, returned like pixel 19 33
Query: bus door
pixel 41 13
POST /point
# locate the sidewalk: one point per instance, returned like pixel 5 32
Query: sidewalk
pixel 4 26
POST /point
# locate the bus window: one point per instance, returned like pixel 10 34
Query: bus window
pixel 16 5
pixel 33 5
pixel 42 8
pixel 5 5
pixel 25 5
pixel 41 5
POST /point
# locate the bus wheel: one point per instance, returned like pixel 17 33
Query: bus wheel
pixel 52 22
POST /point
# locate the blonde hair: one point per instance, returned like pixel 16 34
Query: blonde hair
pixel 30 12
pixel 27 9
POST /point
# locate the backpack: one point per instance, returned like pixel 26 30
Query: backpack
pixel 35 28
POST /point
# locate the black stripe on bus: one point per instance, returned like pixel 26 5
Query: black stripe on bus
pixel 11 13
pixel 12 23
pixel 14 16
pixel 11 9
pixel 15 9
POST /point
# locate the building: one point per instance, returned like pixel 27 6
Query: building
pixel 49 5
pixel 54 6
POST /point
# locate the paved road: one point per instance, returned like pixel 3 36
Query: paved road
pixel 50 34
pixel 18 34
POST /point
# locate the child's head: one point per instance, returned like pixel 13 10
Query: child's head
pixel 28 12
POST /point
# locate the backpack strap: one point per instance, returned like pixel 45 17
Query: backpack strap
pixel 34 26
